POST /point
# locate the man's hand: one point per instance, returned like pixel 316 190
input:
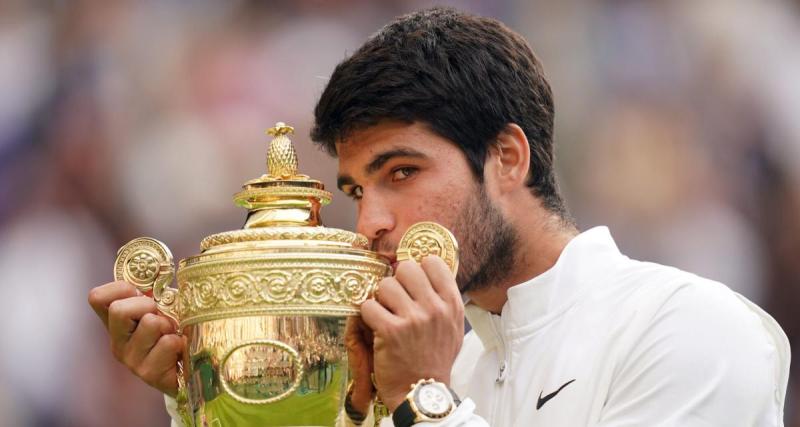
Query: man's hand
pixel 418 322
pixel 141 339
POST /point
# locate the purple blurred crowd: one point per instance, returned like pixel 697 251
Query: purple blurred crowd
pixel 677 124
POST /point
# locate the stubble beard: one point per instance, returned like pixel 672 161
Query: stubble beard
pixel 486 244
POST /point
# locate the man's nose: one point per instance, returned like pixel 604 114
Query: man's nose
pixel 375 218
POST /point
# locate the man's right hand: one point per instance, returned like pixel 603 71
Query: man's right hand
pixel 141 339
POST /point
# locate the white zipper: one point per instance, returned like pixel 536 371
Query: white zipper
pixel 502 373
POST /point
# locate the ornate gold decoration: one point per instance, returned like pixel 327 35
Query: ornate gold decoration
pixel 263 309
pixel 322 235
pixel 281 158
pixel 429 238
pixel 275 287
pixel 147 264
pixel 142 261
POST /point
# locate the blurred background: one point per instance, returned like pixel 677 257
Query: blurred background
pixel 678 125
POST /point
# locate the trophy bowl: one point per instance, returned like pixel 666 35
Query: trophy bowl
pixel 263 309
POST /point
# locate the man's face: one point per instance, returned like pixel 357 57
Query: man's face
pixel 401 174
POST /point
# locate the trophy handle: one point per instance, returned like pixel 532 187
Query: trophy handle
pixel 429 238
pixel 147 264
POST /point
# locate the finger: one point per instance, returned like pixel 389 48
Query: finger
pixel 353 336
pixel 123 316
pixel 159 368
pixel 358 330
pixel 147 333
pixel 394 297
pixel 366 333
pixel 351 327
pixel 359 355
pixel 415 281
pixel 441 279
pixel 376 316
pixel 101 297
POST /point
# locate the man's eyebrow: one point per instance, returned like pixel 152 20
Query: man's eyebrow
pixel 381 159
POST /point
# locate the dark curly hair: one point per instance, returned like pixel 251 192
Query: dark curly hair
pixel 465 76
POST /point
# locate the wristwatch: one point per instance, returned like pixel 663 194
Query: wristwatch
pixel 356 417
pixel 428 401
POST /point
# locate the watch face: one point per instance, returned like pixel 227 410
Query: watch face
pixel 433 400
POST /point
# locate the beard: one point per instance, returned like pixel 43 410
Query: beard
pixel 486 244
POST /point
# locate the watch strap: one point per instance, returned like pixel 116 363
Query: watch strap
pixel 456 399
pixel 355 416
pixel 403 416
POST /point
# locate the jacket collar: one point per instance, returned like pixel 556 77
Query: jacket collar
pixel 588 258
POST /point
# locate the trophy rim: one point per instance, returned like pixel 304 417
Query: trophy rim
pixel 260 278
pixel 289 235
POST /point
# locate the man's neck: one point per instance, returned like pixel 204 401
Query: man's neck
pixel 538 247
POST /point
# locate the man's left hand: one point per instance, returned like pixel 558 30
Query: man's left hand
pixel 418 322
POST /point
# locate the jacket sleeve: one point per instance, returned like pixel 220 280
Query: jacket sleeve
pixel 707 358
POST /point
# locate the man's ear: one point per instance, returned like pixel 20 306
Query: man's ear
pixel 510 158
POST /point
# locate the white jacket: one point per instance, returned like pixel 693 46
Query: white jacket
pixel 603 340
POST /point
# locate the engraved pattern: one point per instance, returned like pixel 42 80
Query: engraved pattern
pixel 424 245
pixel 168 297
pixel 143 266
pixel 352 286
pixel 277 286
pixel 205 293
pixel 286 233
pixel 143 262
pixel 236 289
pixel 281 156
pixel 286 287
pixel 147 264
pixel 318 286
pixel 282 159
pixel 429 238
pixel 185 299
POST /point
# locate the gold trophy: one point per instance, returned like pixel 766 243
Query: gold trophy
pixel 263 309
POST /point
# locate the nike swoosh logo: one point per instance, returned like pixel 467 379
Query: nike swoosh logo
pixel 543 400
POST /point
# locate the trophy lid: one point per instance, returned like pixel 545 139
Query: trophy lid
pixel 284 205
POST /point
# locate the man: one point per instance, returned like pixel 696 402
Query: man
pixel 448 117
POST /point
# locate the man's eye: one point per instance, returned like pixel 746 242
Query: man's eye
pixel 400 174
